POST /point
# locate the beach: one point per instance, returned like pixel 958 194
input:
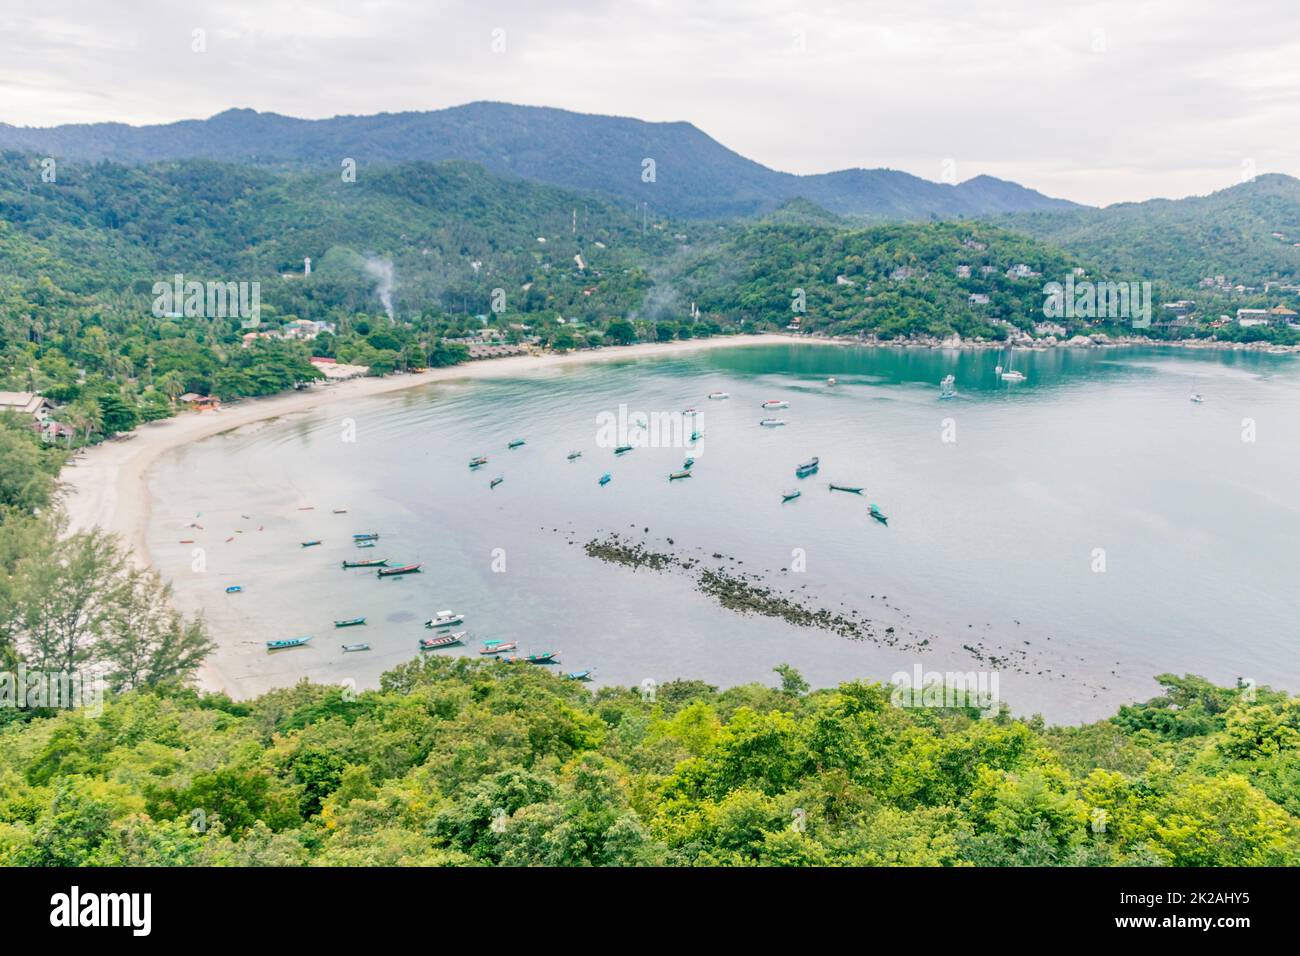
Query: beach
pixel 106 486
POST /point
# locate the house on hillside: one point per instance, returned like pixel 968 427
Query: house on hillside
pixel 32 404
pixel 1250 317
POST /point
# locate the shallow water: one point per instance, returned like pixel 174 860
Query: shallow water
pixel 990 556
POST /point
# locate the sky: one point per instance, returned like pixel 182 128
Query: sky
pixel 1098 102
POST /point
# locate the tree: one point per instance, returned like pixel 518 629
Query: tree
pixel 621 332
pixel 145 642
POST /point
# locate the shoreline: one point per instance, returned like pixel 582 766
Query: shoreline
pixel 106 485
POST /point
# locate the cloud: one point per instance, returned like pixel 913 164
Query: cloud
pixel 1095 101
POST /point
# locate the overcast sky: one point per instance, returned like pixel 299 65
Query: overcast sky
pixel 1096 102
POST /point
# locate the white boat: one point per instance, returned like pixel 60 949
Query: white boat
pixel 445 619
pixel 771 422
pixel 1012 376
pixel 775 403
pixel 1197 397
pixel 831 381
pixel 948 387
pixel 716 395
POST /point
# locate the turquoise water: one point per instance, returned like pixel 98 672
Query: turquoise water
pixel 990 560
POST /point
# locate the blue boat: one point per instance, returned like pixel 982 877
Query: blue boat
pixel 606 478
pixel 516 443
pixel 287 642
pixel 878 515
pixel 310 544
pixel 234 589
pixel 366 536
pixel 688 463
pixel 579 675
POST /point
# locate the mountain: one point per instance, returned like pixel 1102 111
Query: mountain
pixel 1233 232
pixel 693 174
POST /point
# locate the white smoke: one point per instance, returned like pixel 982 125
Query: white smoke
pixel 382 271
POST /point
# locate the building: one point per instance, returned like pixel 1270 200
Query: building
pixel 1249 317
pixel 35 406
pixel 201 402
pixel 979 298
pixel 963 272
pixel 1280 315
pixel 336 371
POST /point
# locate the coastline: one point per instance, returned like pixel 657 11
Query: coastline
pixel 106 485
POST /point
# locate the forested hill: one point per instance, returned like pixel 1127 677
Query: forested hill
pixel 1248 233
pixel 693 175
pixel 454 762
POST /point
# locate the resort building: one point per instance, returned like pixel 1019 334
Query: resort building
pixel 33 405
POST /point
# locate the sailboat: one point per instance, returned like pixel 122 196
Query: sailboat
pixel 1010 374
pixel 948 387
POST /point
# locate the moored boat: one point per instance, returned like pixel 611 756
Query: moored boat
pixel 718 395
pixel 878 514
pixel 350 622
pixel 287 642
pixel 849 488
pixel 550 657
pixel 579 675
pixel 790 495
pixel 368 563
pixel 337 511
pixel 809 465
pixel 689 463
pixel 365 544
pixel 234 589
pixel 772 422
pixel 404 569
pixel 347 648
pixel 677 475
pixel 447 640
pixel 606 478
pixel 496 481
pixel 478 461
pixel 574 455
pixel 948 387
pixel 622 448
pixel 445 619
pixel 515 443
pixel 366 536
pixel 310 544
pixel 776 403
pixel 1197 398
pixel 498 647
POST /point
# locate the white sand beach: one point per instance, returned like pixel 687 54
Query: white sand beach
pixel 106 485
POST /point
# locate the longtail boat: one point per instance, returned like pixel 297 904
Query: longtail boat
pixel 448 640
pixel 696 436
pixel 495 481
pixel 445 619
pixel 878 514
pixel 234 589
pixel 498 647
pixel 606 478
pixel 849 488
pixel 776 403
pixel 574 455
pixel 287 642
pixel 347 648
pixel 310 544
pixel 772 422
pixel 622 448
pixel 337 511
pixel 366 536
pixel 550 657
pixel 187 540
pixel 404 569
pixel 790 495
pixel 579 675
pixel 478 461
pixel 516 443
pixel 365 544
pixel 689 463
pixel 809 465
pixel 678 475
pixel 350 622
pixel 368 563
